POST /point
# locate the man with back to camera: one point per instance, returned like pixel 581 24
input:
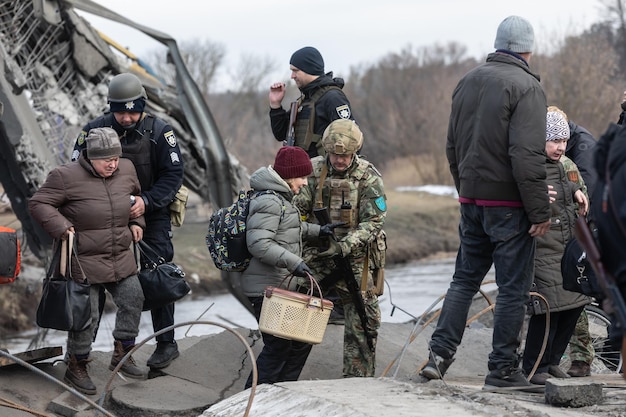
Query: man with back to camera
pixel 149 142
pixel 496 152
pixel 321 102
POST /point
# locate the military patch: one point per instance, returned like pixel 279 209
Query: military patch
pixel 81 138
pixel 175 158
pixel 129 105
pixel 381 203
pixel 573 176
pixel 170 138
pixel 344 111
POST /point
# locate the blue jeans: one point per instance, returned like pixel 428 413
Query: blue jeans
pixel 498 236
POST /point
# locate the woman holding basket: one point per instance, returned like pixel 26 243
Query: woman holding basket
pixel 274 233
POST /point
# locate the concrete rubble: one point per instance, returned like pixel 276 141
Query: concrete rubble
pixel 208 378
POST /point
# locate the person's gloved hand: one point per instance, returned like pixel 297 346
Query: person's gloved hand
pixel 333 250
pixel 329 229
pixel 302 269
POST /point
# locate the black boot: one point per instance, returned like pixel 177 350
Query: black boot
pixel 163 355
pixel 76 375
pixel 130 368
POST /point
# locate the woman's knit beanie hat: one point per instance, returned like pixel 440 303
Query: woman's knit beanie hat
pixel 557 126
pixel 292 162
pixel 103 143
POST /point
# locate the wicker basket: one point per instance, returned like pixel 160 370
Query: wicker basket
pixel 295 316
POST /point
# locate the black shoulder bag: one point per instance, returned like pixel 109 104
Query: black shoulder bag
pixel 65 303
pixel 163 282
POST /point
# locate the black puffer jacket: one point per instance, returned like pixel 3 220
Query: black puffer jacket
pixel 497 133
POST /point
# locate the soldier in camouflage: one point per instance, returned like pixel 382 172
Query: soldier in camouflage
pixel 352 190
pixel 581 349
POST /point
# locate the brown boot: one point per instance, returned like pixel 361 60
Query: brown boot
pixel 579 369
pixel 130 368
pixel 76 375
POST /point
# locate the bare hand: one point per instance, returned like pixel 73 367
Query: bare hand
pixel 537 230
pixel 137 209
pixel 66 234
pixel 137 232
pixel 583 202
pixel 277 93
pixel 551 194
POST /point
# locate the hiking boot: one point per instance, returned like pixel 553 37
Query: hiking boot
pixel 507 378
pixel 129 368
pixel 557 372
pixel 76 375
pixel 436 366
pixel 163 355
pixel 579 369
pixel 540 378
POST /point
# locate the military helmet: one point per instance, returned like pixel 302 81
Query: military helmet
pixel 124 88
pixel 342 137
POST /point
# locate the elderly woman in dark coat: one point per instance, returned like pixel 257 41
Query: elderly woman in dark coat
pixel 91 198
pixel 274 232
pixel 564 306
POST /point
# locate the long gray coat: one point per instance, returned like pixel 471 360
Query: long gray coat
pixel 550 247
pixel 274 232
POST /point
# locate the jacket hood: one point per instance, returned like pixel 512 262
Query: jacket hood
pixel 322 81
pixel 265 178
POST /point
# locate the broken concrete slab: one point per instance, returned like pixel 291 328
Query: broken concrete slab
pixel 572 393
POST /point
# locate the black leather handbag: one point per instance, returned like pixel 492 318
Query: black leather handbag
pixel 163 282
pixel 65 303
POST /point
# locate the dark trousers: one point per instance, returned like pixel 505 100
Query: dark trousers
pixel 280 359
pixel 562 324
pixel 158 235
pixel 489 235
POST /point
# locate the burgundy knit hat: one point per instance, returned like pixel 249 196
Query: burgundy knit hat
pixel 292 162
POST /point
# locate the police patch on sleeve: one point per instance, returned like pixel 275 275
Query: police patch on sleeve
pixel 343 111
pixel 175 158
pixel 381 203
pixel 170 138
pixel 81 138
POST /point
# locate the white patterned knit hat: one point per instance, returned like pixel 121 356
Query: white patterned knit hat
pixel 556 126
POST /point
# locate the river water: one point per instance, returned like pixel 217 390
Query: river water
pixel 411 289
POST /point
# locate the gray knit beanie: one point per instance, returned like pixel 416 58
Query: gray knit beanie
pixel 103 143
pixel 515 34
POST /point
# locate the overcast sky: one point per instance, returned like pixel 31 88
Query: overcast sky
pixel 348 33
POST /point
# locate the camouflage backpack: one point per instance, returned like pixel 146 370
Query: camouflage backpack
pixel 226 236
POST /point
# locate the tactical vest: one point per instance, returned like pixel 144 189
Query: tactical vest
pixel 305 121
pixel 134 148
pixel 342 194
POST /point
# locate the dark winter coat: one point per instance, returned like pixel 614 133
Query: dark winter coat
pixel 99 209
pixel 327 109
pixel 580 148
pixel 550 247
pixel 497 133
pixel 274 232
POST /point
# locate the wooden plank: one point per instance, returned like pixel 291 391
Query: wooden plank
pixel 32 356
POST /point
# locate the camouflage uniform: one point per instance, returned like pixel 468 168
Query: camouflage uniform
pixel 580 344
pixel 360 187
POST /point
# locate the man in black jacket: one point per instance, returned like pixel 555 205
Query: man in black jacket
pixel 321 102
